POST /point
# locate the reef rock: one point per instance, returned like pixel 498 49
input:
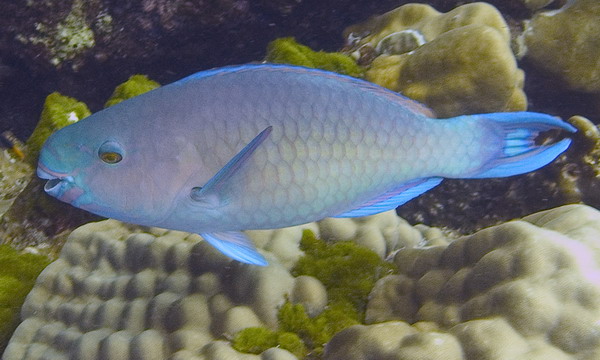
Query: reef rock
pixel 526 289
pixel 565 43
pixel 516 283
pixel 457 63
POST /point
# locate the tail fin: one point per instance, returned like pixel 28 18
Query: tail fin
pixel 520 153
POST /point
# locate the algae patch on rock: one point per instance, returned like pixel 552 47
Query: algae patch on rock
pixel 58 112
pixel 347 271
pixel 134 86
pixel 288 51
pixel 256 340
pixel 17 276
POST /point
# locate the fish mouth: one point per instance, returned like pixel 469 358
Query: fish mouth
pixel 59 185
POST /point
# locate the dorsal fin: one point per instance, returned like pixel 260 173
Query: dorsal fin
pixel 381 91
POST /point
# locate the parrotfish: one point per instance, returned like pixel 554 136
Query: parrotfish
pixel 269 146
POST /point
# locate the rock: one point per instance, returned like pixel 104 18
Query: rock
pixel 526 289
pixel 459 63
pixel 565 43
pixel 540 277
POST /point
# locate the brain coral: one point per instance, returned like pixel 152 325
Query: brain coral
pixel 526 289
pixel 533 286
pixel 456 63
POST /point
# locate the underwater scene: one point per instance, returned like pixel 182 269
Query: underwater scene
pixel 300 179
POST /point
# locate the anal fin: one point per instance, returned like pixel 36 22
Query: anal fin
pixel 392 199
pixel 236 245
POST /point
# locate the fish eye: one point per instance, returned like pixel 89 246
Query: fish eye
pixel 110 152
pixel 111 157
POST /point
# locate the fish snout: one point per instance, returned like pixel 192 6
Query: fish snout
pixel 59 185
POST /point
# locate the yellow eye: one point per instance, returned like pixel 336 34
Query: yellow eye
pixel 111 157
pixel 110 152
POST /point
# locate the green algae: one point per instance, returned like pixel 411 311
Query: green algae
pixel 255 340
pixel 288 51
pixel 17 276
pixel 316 332
pixel 348 271
pixel 134 86
pixel 58 112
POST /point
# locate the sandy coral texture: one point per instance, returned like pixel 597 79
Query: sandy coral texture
pixel 527 289
pixel 565 42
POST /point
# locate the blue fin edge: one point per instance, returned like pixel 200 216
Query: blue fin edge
pixel 392 95
pixel 520 154
pixel 526 162
pixel 236 245
pixel 392 199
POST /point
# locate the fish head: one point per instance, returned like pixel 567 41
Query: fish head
pixel 104 168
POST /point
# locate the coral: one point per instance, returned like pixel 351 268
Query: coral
pixel 58 112
pixel 134 86
pixel 191 293
pixel 288 51
pixel 17 276
pixel 347 272
pixel 424 21
pixel 392 340
pixel 565 43
pixel 160 286
pixel 518 282
pixel 526 289
pixel 310 293
pixel 457 63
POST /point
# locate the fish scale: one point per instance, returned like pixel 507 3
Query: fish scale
pixel 268 146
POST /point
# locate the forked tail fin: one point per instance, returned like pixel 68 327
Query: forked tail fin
pixel 520 152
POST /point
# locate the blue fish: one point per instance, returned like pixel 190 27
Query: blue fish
pixel 269 146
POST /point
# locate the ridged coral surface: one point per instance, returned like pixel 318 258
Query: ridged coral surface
pixel 526 289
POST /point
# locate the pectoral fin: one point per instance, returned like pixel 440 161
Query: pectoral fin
pixel 235 245
pixel 210 193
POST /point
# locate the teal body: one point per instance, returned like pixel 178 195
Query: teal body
pixel 269 146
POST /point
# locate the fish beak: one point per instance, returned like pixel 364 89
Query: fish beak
pixel 43 173
pixel 59 185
